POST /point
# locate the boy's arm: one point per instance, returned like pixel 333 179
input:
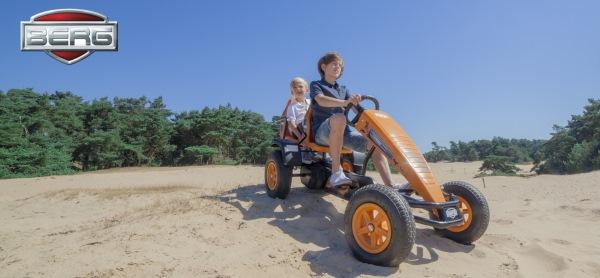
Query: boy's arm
pixel 326 101
pixel 354 99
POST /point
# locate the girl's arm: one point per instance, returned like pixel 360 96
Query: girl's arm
pixel 291 118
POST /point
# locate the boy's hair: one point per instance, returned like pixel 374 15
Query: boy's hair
pixel 327 59
pixel 297 80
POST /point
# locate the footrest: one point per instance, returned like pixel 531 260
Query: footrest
pixel 438 224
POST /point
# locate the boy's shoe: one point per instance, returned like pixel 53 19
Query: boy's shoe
pixel 338 184
pixel 338 179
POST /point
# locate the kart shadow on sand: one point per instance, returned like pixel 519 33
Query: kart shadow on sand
pixel 309 218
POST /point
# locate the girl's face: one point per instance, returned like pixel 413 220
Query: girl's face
pixel 299 91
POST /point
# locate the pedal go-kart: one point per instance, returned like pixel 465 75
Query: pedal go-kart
pixel 379 223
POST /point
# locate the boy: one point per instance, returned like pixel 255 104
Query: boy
pixel 329 123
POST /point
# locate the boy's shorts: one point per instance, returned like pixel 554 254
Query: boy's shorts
pixel 352 138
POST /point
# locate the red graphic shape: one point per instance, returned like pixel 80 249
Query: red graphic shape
pixel 68 16
pixel 69 55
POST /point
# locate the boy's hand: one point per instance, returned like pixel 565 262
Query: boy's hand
pixel 355 99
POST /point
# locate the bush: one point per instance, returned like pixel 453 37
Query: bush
pixel 580 158
pixel 203 154
pixel 32 160
pixel 495 165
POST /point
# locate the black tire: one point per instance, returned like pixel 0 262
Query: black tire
pixel 282 183
pixel 480 210
pixel 315 177
pixel 401 220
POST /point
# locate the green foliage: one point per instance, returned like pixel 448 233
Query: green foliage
pixel 59 133
pixel 437 153
pixel 33 160
pixel 42 134
pixel 371 167
pixel 124 132
pixel 200 153
pixel 463 151
pixel 228 162
pixel 574 148
pixel 243 136
pixel 30 143
pixel 517 150
pixel 495 165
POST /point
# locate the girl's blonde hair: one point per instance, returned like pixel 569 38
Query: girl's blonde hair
pixel 297 80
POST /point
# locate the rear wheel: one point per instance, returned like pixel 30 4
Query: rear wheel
pixel 379 226
pixel 474 208
pixel 278 177
pixel 314 176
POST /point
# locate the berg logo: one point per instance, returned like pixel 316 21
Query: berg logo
pixel 69 35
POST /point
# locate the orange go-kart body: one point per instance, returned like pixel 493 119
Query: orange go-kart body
pixel 384 132
pixel 402 152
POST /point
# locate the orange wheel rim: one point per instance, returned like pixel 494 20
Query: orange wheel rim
pixel 271 175
pixel 467 212
pixel 371 228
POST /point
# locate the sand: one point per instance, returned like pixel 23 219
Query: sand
pixel 218 222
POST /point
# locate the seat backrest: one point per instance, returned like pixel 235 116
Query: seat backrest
pixel 308 123
pixel 283 124
pixel 284 131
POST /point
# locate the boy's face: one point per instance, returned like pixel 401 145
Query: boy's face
pixel 333 69
pixel 299 90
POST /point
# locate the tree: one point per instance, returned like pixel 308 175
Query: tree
pixel 574 148
pixel 30 144
pixel 518 150
pixel 242 136
pixel 437 153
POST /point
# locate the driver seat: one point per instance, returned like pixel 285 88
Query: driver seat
pixel 310 139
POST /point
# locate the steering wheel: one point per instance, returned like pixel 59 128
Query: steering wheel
pixel 359 109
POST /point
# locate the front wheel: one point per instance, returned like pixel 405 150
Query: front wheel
pixel 475 210
pixel 278 177
pixel 379 226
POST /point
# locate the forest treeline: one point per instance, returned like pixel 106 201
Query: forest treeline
pixel 574 148
pixel 60 133
pixel 518 150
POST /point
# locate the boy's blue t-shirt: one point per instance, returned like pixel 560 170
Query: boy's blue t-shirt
pixel 320 113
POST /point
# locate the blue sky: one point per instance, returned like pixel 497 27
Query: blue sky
pixel 446 70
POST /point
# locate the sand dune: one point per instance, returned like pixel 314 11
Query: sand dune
pixel 219 222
